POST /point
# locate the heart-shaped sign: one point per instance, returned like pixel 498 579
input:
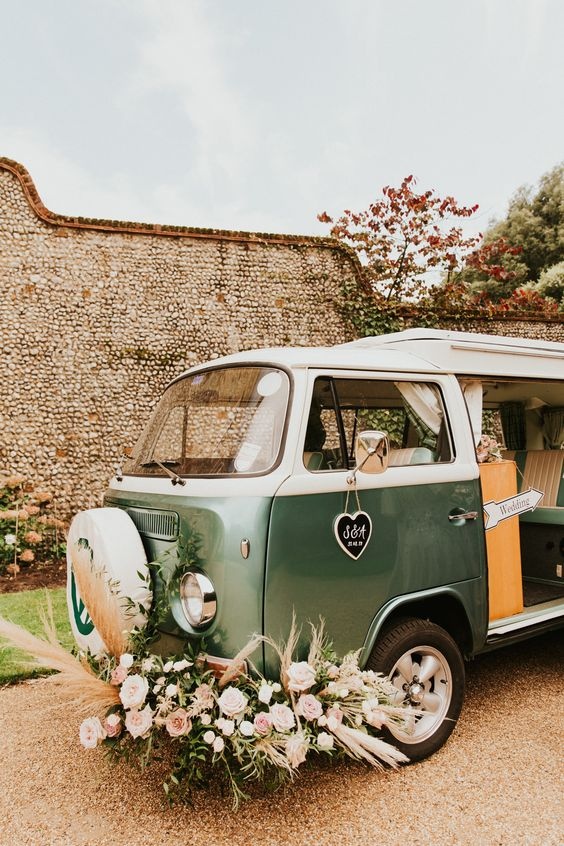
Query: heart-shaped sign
pixel 353 532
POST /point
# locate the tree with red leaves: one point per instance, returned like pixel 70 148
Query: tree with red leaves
pixel 404 238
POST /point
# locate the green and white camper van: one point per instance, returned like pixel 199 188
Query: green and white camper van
pixel 343 483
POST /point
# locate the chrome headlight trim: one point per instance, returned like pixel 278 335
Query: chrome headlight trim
pixel 197 598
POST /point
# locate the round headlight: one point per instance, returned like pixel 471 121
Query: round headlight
pixel 197 595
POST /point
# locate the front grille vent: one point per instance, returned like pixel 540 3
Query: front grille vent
pixel 163 525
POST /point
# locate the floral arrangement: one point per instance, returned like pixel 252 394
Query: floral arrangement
pixel 488 450
pixel 240 726
pixel 27 528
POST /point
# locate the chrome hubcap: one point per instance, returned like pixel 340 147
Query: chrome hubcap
pixel 423 679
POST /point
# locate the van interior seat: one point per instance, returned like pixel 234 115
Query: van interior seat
pixel 541 469
pixel 413 455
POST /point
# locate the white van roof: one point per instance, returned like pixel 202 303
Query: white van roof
pixel 423 351
pixel 472 353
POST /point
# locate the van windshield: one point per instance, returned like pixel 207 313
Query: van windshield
pixel 215 423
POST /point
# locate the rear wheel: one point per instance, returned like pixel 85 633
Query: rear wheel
pixel 425 665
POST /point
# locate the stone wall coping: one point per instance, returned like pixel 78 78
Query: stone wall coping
pixel 37 205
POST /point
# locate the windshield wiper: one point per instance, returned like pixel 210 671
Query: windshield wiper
pixel 174 477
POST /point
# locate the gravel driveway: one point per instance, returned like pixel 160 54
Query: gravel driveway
pixel 498 782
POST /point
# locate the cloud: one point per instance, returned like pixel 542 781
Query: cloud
pixel 184 53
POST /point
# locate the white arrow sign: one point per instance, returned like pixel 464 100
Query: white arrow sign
pixel 511 507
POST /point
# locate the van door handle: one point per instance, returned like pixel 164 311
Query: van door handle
pixel 465 515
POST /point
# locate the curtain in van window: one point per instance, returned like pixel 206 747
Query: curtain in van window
pixel 473 396
pixel 423 407
pixel 553 428
pixel 513 424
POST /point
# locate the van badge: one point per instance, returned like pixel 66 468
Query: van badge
pixel 353 532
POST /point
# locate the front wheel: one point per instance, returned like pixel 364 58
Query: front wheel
pixel 425 665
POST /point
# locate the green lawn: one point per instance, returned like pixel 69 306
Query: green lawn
pixel 23 609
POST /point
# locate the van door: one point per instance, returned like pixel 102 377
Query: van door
pixel 415 542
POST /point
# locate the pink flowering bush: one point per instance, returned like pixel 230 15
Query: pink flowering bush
pixel 29 531
pixel 247 728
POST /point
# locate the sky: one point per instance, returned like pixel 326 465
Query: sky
pixel 254 115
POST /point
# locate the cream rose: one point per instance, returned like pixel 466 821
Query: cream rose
pixel 301 676
pixel 218 745
pixel 232 702
pixel 178 723
pixel 265 693
pixel 309 707
pixel 126 660
pixel 296 750
pixel 133 691
pixel 138 723
pixel 325 741
pixel 282 717
pixel 246 728
pixel 91 732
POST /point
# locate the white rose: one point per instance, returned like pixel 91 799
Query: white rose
pixel 246 728
pixel 322 721
pixel 138 723
pixel 218 744
pixel 171 690
pixel 133 691
pixel 91 732
pixel 209 737
pixel 181 665
pixel 232 702
pixel 228 728
pixel 205 719
pixel 126 661
pixel 324 740
pixel 301 676
pixel 282 717
pixel 265 693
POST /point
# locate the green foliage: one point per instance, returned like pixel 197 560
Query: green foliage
pixel 28 529
pixel 551 284
pixel 535 223
pixel 24 609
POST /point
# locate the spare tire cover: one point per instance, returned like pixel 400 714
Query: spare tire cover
pixel 115 547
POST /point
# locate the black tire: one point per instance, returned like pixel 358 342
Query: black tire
pixel 407 644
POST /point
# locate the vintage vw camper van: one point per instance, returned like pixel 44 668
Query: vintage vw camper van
pixel 344 483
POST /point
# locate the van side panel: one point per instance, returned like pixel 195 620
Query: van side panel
pixel 413 548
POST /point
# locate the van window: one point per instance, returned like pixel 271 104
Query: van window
pixel 217 422
pixel 411 413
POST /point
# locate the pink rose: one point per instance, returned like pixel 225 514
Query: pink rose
pixel 112 725
pixel 91 732
pixel 263 723
pixel 301 676
pixel 133 691
pixel 232 702
pixel 119 675
pixel 178 723
pixel 282 717
pixel 309 707
pixel 138 723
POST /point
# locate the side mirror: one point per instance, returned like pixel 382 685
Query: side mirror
pixel 372 451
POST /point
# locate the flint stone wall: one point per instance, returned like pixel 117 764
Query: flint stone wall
pixel 96 317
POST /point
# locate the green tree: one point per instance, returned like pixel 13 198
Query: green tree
pixel 535 224
pixel 551 283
